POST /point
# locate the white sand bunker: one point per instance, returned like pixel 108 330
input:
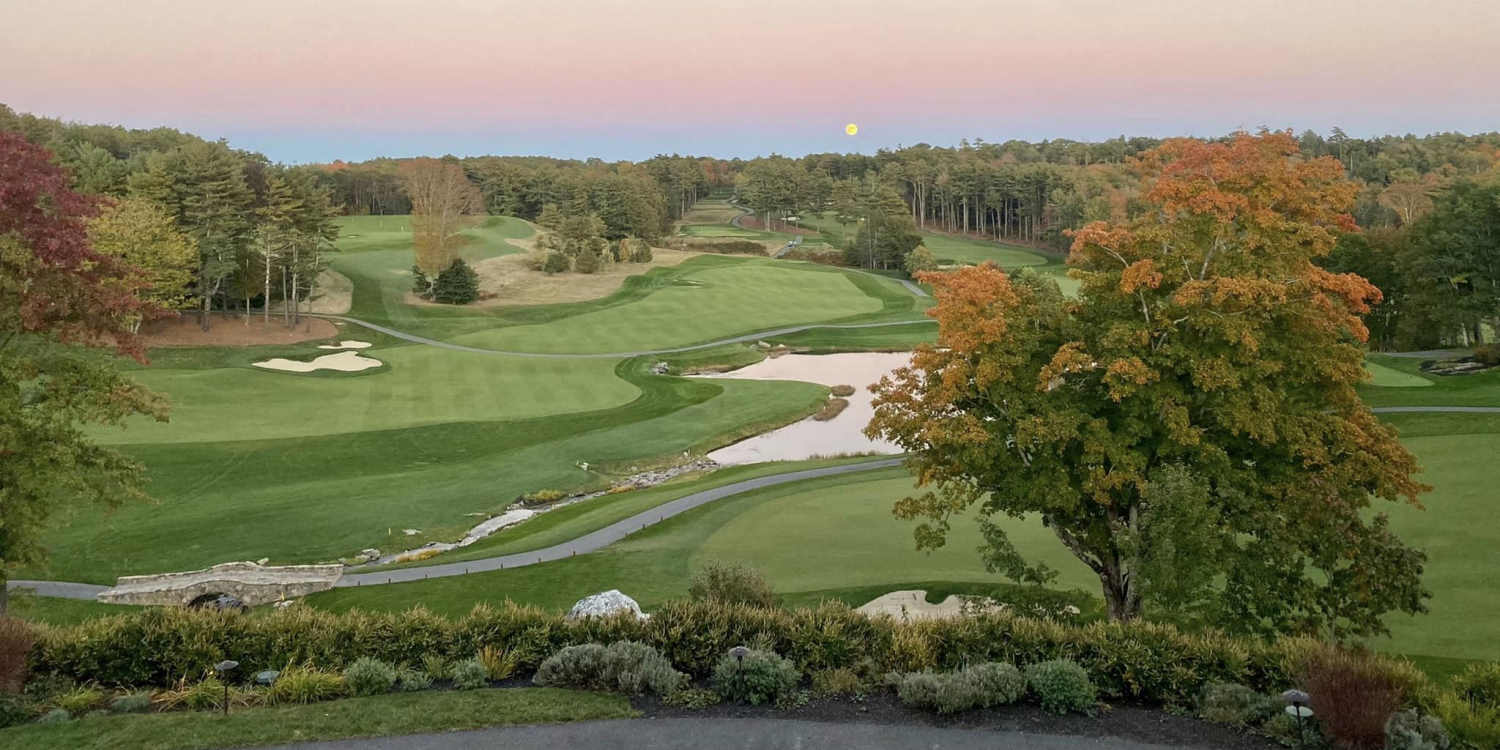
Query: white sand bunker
pixel 342 362
pixel 809 438
pixel 346 344
pixel 913 605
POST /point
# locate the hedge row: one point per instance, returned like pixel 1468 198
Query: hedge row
pixel 1156 663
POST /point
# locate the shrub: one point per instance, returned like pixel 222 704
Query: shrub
pixel 1489 354
pixel 1233 703
pixel 131 703
pixel 918 260
pixel 997 684
pixel 842 391
pixel 369 676
pixel 624 666
pixel 759 677
pixel 556 262
pixel 55 716
pixel 206 695
pixel 1479 683
pixel 15 709
pixel 410 680
pixel 80 700
pixel 1062 686
pixel 436 666
pixel 837 681
pixel 16 640
pixel 1285 729
pixel 1474 724
pixel 499 663
pixel 831 408
pixel 640 251
pixel 1352 695
pixel 979 686
pixel 1408 730
pixel 305 685
pixel 458 284
pixel 587 261
pixel 420 284
pixel 731 584
pixel 470 674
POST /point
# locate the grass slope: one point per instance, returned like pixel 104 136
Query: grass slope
pixel 1482 389
pixel 375 716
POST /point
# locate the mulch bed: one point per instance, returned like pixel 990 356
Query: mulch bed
pixel 233 330
pixel 1122 720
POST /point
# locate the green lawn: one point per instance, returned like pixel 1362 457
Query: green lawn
pixel 376 716
pixel 1482 389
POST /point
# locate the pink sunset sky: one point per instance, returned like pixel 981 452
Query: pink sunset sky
pixel 315 80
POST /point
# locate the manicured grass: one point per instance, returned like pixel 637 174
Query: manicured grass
pixel 316 498
pixel 419 385
pixel 1481 389
pixel 884 338
pixel 376 716
pixel 702 305
pixel 821 534
pixel 1388 377
pixel 55 611
pixel 358 234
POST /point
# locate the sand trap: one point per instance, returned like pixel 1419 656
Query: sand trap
pixel 342 362
pixel 913 605
pixel 346 344
pixel 809 438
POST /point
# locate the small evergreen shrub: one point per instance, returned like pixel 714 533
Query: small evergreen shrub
pixel 997 684
pixel 80 700
pixel 978 686
pixel 420 284
pixel 1352 695
pixel 842 391
pixel 458 284
pixel 556 262
pixel 470 674
pixel 837 681
pixel 305 685
pixel 623 666
pixel 1236 704
pixel 367 676
pixel 1408 730
pixel 15 709
pixel 1062 686
pixel 55 716
pixel 436 666
pixel 586 262
pixel 760 677
pixel 131 703
pixel 410 680
pixel 731 584
pixel 16 640
pixel 1284 729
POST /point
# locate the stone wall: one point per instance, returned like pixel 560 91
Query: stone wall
pixel 247 581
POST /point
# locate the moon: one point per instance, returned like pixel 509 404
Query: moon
pixel 851 129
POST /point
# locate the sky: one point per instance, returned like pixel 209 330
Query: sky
pixel 318 80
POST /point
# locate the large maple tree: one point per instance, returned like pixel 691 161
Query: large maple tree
pixel 60 301
pixel 1188 426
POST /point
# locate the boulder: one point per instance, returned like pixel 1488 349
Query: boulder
pixel 605 604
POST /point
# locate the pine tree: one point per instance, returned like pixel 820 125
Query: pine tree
pixel 458 284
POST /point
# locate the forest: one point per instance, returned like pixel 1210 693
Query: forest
pixel 1428 207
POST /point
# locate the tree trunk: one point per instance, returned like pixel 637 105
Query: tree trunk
pixel 4 595
pixel 1120 596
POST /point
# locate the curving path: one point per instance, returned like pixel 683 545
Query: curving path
pixel 612 355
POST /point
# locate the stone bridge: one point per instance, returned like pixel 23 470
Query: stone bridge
pixel 247 581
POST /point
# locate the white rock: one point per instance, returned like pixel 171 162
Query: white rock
pixel 605 604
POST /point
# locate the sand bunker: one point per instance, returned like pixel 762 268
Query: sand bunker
pixel 342 362
pixel 346 344
pixel 913 605
pixel 809 438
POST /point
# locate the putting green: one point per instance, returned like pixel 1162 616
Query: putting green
pixel 1386 377
pixel 703 304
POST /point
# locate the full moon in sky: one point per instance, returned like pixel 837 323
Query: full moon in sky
pixel 851 128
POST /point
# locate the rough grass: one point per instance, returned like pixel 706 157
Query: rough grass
pixel 376 716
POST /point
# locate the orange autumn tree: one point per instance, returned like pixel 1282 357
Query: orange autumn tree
pixel 1188 426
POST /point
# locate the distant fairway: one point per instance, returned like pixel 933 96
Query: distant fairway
pixel 1389 377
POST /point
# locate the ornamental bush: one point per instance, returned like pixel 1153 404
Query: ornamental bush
pixel 624 666
pixel 1232 703
pixel 1480 684
pixel 759 677
pixel 731 584
pixel 1409 730
pixel 470 674
pixel 458 284
pixel 369 676
pixel 298 685
pixel 1062 686
pixel 979 686
pixel 409 680
pixel 131 703
pixel 16 640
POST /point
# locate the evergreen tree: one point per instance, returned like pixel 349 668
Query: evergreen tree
pixel 458 284
pixel 556 262
pixel 586 262
pixel 420 284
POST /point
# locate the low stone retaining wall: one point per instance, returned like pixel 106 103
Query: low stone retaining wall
pixel 247 581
